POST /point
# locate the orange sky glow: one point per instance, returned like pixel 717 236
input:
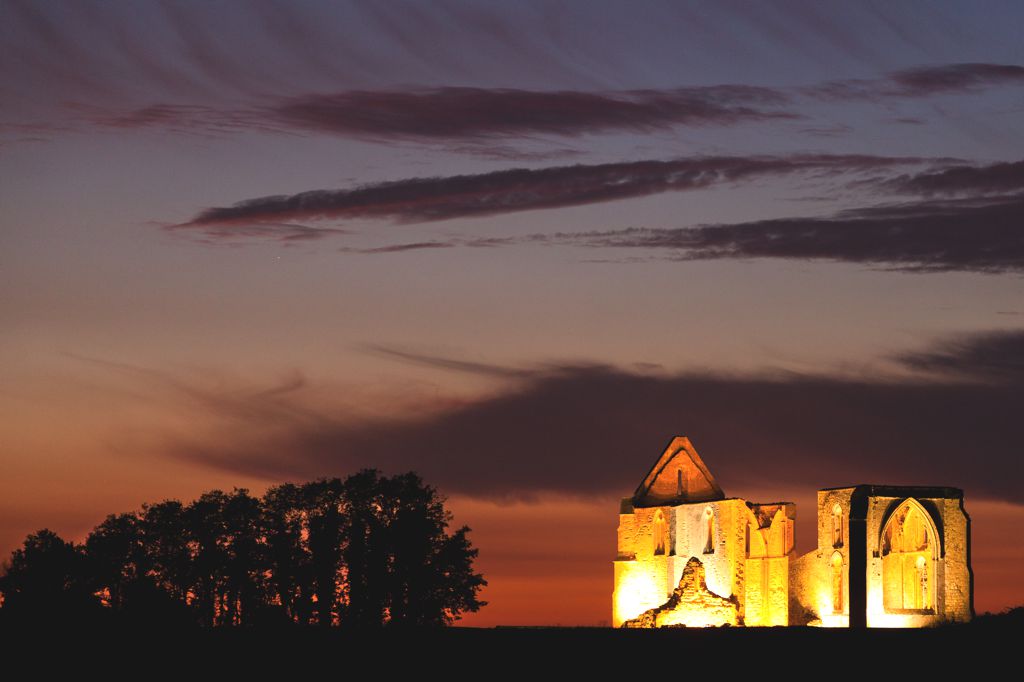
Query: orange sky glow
pixel 516 248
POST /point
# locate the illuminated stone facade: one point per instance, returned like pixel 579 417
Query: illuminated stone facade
pixel 679 517
pixel 886 556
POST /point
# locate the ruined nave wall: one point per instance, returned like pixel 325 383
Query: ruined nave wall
pixel 898 581
pixel 742 550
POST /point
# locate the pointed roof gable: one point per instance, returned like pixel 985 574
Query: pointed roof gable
pixel 678 476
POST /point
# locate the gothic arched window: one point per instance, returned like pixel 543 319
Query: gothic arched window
pixel 837 526
pixel 909 547
pixel 837 582
pixel 660 533
pixel 709 531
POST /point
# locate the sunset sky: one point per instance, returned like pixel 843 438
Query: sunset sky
pixel 515 247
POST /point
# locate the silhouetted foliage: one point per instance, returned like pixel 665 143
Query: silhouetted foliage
pixel 285 529
pixel 365 552
pixel 117 559
pixel 1009 617
pixel 47 581
pixel 324 509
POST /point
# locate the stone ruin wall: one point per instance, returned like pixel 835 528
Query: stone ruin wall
pixel 691 604
pixel 745 564
pixel 757 581
pixel 813 576
pixel 950 575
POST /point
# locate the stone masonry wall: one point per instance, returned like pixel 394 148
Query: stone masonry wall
pixel 691 604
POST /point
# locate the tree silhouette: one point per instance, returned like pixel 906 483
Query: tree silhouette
pixel 121 570
pixel 168 555
pixel 284 528
pixel 455 586
pixel 430 579
pixel 324 510
pixel 365 557
pixel 204 525
pixel 46 581
pixel 117 559
pixel 365 552
pixel 245 570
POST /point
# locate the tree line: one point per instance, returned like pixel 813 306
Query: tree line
pixel 362 552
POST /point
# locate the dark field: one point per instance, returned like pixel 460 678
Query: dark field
pixel 803 653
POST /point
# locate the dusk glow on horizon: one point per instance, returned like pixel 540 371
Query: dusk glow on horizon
pixel 517 249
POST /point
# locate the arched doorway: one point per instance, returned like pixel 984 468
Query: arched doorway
pixel 838 593
pixel 909 548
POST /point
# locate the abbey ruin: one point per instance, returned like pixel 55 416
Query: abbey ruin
pixel 886 556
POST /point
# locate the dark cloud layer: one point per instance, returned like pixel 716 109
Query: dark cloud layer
pixel 590 429
pixel 485 112
pixel 995 357
pixel 963 180
pixel 978 230
pixel 974 226
pixel 979 235
pixel 478 112
pixel 467 114
pixel 920 82
pixel 443 198
pixel 946 78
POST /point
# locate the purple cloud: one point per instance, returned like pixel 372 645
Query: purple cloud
pixel 963 179
pixel 921 82
pixel 447 113
pixel 977 235
pixel 592 429
pixel 444 198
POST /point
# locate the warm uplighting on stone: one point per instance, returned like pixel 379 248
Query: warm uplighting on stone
pixel 898 558
pixel 887 556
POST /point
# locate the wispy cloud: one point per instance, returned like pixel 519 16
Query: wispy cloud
pixel 451 364
pixel 995 357
pixel 448 113
pixel 978 235
pixel 400 248
pixel 451 243
pixel 963 179
pixel 465 114
pixel 443 198
pixel 235 233
pixel 462 116
pixel 945 78
pixel 920 82
pixel 181 118
pixel 976 227
pixel 970 222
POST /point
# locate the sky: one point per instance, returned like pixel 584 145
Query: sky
pixel 515 247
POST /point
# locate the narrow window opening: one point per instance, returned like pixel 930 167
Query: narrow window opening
pixel 709 531
pixel 659 533
pixel 837 583
pixel 837 526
